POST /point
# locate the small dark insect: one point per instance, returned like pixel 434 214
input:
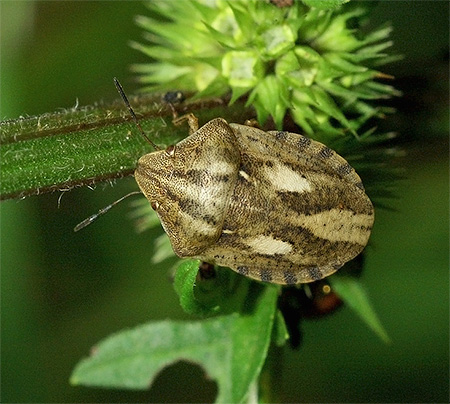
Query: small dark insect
pixel 173 97
pixel 206 271
pixel 313 301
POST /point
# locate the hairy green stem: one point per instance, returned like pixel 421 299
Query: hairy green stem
pixel 83 146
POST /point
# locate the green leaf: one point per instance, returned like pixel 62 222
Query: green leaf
pixel 184 285
pixel 270 97
pixel 351 95
pixel 160 72
pixel 301 117
pixel 205 12
pixel 379 34
pixel 352 292
pixel 243 19
pixel 277 40
pixel 163 249
pixel 325 103
pixel 238 92
pixel 161 53
pixel 175 34
pixel 342 64
pixel 223 39
pixel 374 51
pixel 383 89
pixel 232 349
pixel 216 87
pixel 281 334
pixel 165 9
pixel 215 290
pixel 242 68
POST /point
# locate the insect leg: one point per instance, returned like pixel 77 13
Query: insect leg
pixel 191 119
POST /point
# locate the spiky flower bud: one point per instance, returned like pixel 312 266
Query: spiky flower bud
pixel 314 64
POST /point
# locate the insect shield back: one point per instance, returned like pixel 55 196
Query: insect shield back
pixel 191 187
pixel 273 206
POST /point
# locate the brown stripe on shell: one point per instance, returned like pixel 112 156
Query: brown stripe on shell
pixel 191 208
pixel 300 238
pixel 200 177
pixel 324 199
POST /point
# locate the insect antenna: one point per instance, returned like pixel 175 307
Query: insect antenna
pixel 127 103
pixel 95 216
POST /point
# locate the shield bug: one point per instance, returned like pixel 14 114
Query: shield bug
pixel 274 206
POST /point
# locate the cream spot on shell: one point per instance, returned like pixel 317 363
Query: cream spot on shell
pixel 284 178
pixel 268 245
pixel 244 175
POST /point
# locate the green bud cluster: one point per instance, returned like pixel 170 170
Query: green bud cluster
pixel 316 65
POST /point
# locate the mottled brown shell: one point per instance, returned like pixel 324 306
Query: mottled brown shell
pixel 274 206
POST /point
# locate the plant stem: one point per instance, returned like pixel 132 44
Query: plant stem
pixel 83 146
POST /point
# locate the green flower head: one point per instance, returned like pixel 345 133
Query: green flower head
pixel 314 64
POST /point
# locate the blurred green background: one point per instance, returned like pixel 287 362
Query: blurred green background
pixel 62 292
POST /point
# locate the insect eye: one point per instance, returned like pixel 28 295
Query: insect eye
pixel 154 205
pixel 170 150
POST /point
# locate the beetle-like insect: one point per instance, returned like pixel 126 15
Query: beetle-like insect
pixel 274 206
